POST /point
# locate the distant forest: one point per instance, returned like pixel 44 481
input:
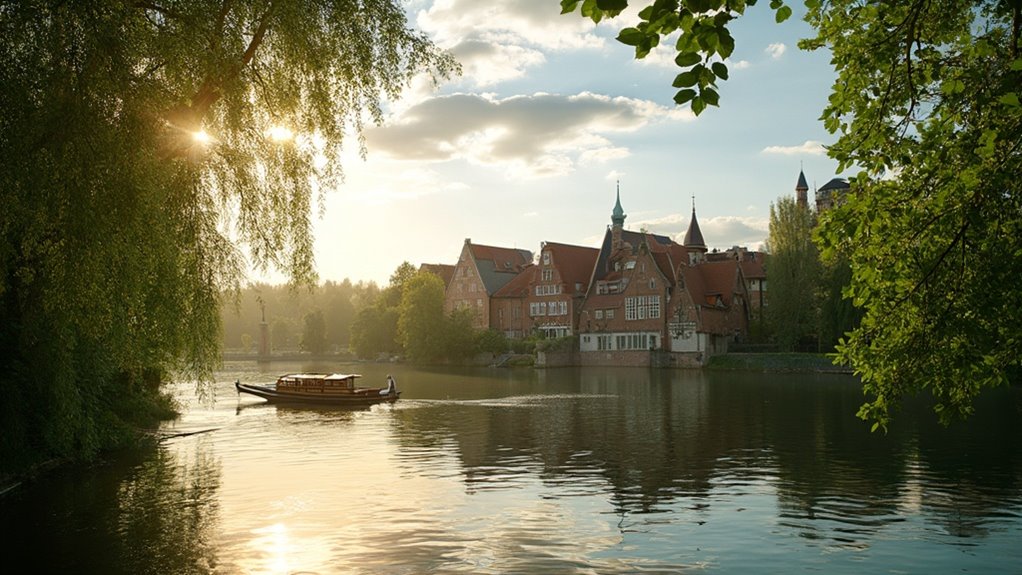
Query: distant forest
pixel 292 313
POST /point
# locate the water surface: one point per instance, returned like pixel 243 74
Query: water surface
pixel 533 471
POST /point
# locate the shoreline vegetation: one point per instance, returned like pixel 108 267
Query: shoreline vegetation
pixel 779 362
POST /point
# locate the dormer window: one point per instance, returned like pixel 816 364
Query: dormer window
pixel 546 258
pixel 630 265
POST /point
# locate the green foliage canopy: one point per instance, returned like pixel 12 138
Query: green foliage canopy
pixel 120 228
pixel 794 273
pixel 926 105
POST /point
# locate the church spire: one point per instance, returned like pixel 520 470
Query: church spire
pixel 618 216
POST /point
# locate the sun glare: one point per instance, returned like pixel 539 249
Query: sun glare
pixel 279 134
pixel 202 137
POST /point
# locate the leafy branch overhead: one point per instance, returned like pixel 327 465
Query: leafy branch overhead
pixel 703 46
pixel 926 104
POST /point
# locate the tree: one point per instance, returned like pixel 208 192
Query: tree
pixel 926 105
pixel 142 146
pixel 794 273
pixel 421 322
pixel 314 333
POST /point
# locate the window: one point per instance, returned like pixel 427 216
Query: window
pixel 610 314
pixel 546 258
pixel 536 309
pixel 630 341
pixel 562 307
pixel 548 274
pixel 652 283
pixel 642 307
pixel 551 308
pixel 603 343
pixel 630 265
pixel 599 314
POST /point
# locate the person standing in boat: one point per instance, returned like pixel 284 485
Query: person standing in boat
pixel 391 386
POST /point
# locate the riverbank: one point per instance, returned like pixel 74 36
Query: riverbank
pixel 776 362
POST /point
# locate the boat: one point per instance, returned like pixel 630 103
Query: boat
pixel 322 389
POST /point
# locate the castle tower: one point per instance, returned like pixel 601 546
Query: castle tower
pixel 802 190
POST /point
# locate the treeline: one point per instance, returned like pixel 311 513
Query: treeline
pixel 363 320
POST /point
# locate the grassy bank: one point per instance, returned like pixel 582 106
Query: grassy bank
pixel 783 362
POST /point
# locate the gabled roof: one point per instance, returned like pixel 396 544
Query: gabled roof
pixel 719 279
pixel 574 263
pixel 632 240
pixel 518 287
pixel 753 265
pixel 497 266
pixel 445 271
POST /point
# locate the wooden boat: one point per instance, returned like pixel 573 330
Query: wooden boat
pixel 323 389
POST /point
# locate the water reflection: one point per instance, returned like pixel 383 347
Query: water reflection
pixel 566 471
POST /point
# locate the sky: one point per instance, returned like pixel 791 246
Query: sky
pixel 549 116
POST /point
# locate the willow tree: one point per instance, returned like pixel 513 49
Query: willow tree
pixel 147 147
pixel 926 106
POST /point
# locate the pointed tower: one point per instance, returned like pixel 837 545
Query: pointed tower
pixel 694 238
pixel 802 190
pixel 617 220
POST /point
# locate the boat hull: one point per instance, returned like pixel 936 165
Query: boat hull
pixel 358 396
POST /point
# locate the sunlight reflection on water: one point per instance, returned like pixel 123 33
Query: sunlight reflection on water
pixel 569 471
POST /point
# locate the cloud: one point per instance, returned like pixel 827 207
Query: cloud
pixel 535 22
pixel 614 175
pixel 721 232
pixel 487 63
pixel 739 65
pixel 529 136
pixel 809 147
pixel 776 50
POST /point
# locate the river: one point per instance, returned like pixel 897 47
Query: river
pixel 540 471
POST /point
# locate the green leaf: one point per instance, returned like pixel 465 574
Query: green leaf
pixel 1016 65
pixel 698 105
pixel 612 4
pixel 684 96
pixel 710 96
pixel 1009 99
pixel 568 6
pixel 630 36
pixel 720 70
pixel 686 79
pixel 783 13
pixel 686 59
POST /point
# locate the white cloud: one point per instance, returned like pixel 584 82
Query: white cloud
pixel 529 136
pixel 614 175
pixel 776 50
pixel 535 22
pixel 487 63
pixel 739 65
pixel 809 147
pixel 722 231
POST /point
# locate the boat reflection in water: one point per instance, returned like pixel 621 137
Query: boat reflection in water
pixel 322 389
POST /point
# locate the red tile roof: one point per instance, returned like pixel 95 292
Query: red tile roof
pixel 445 271
pixel 574 263
pixel 519 286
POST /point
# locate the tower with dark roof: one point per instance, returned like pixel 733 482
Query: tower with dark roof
pixel 802 190
pixel 617 220
pixel 693 237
